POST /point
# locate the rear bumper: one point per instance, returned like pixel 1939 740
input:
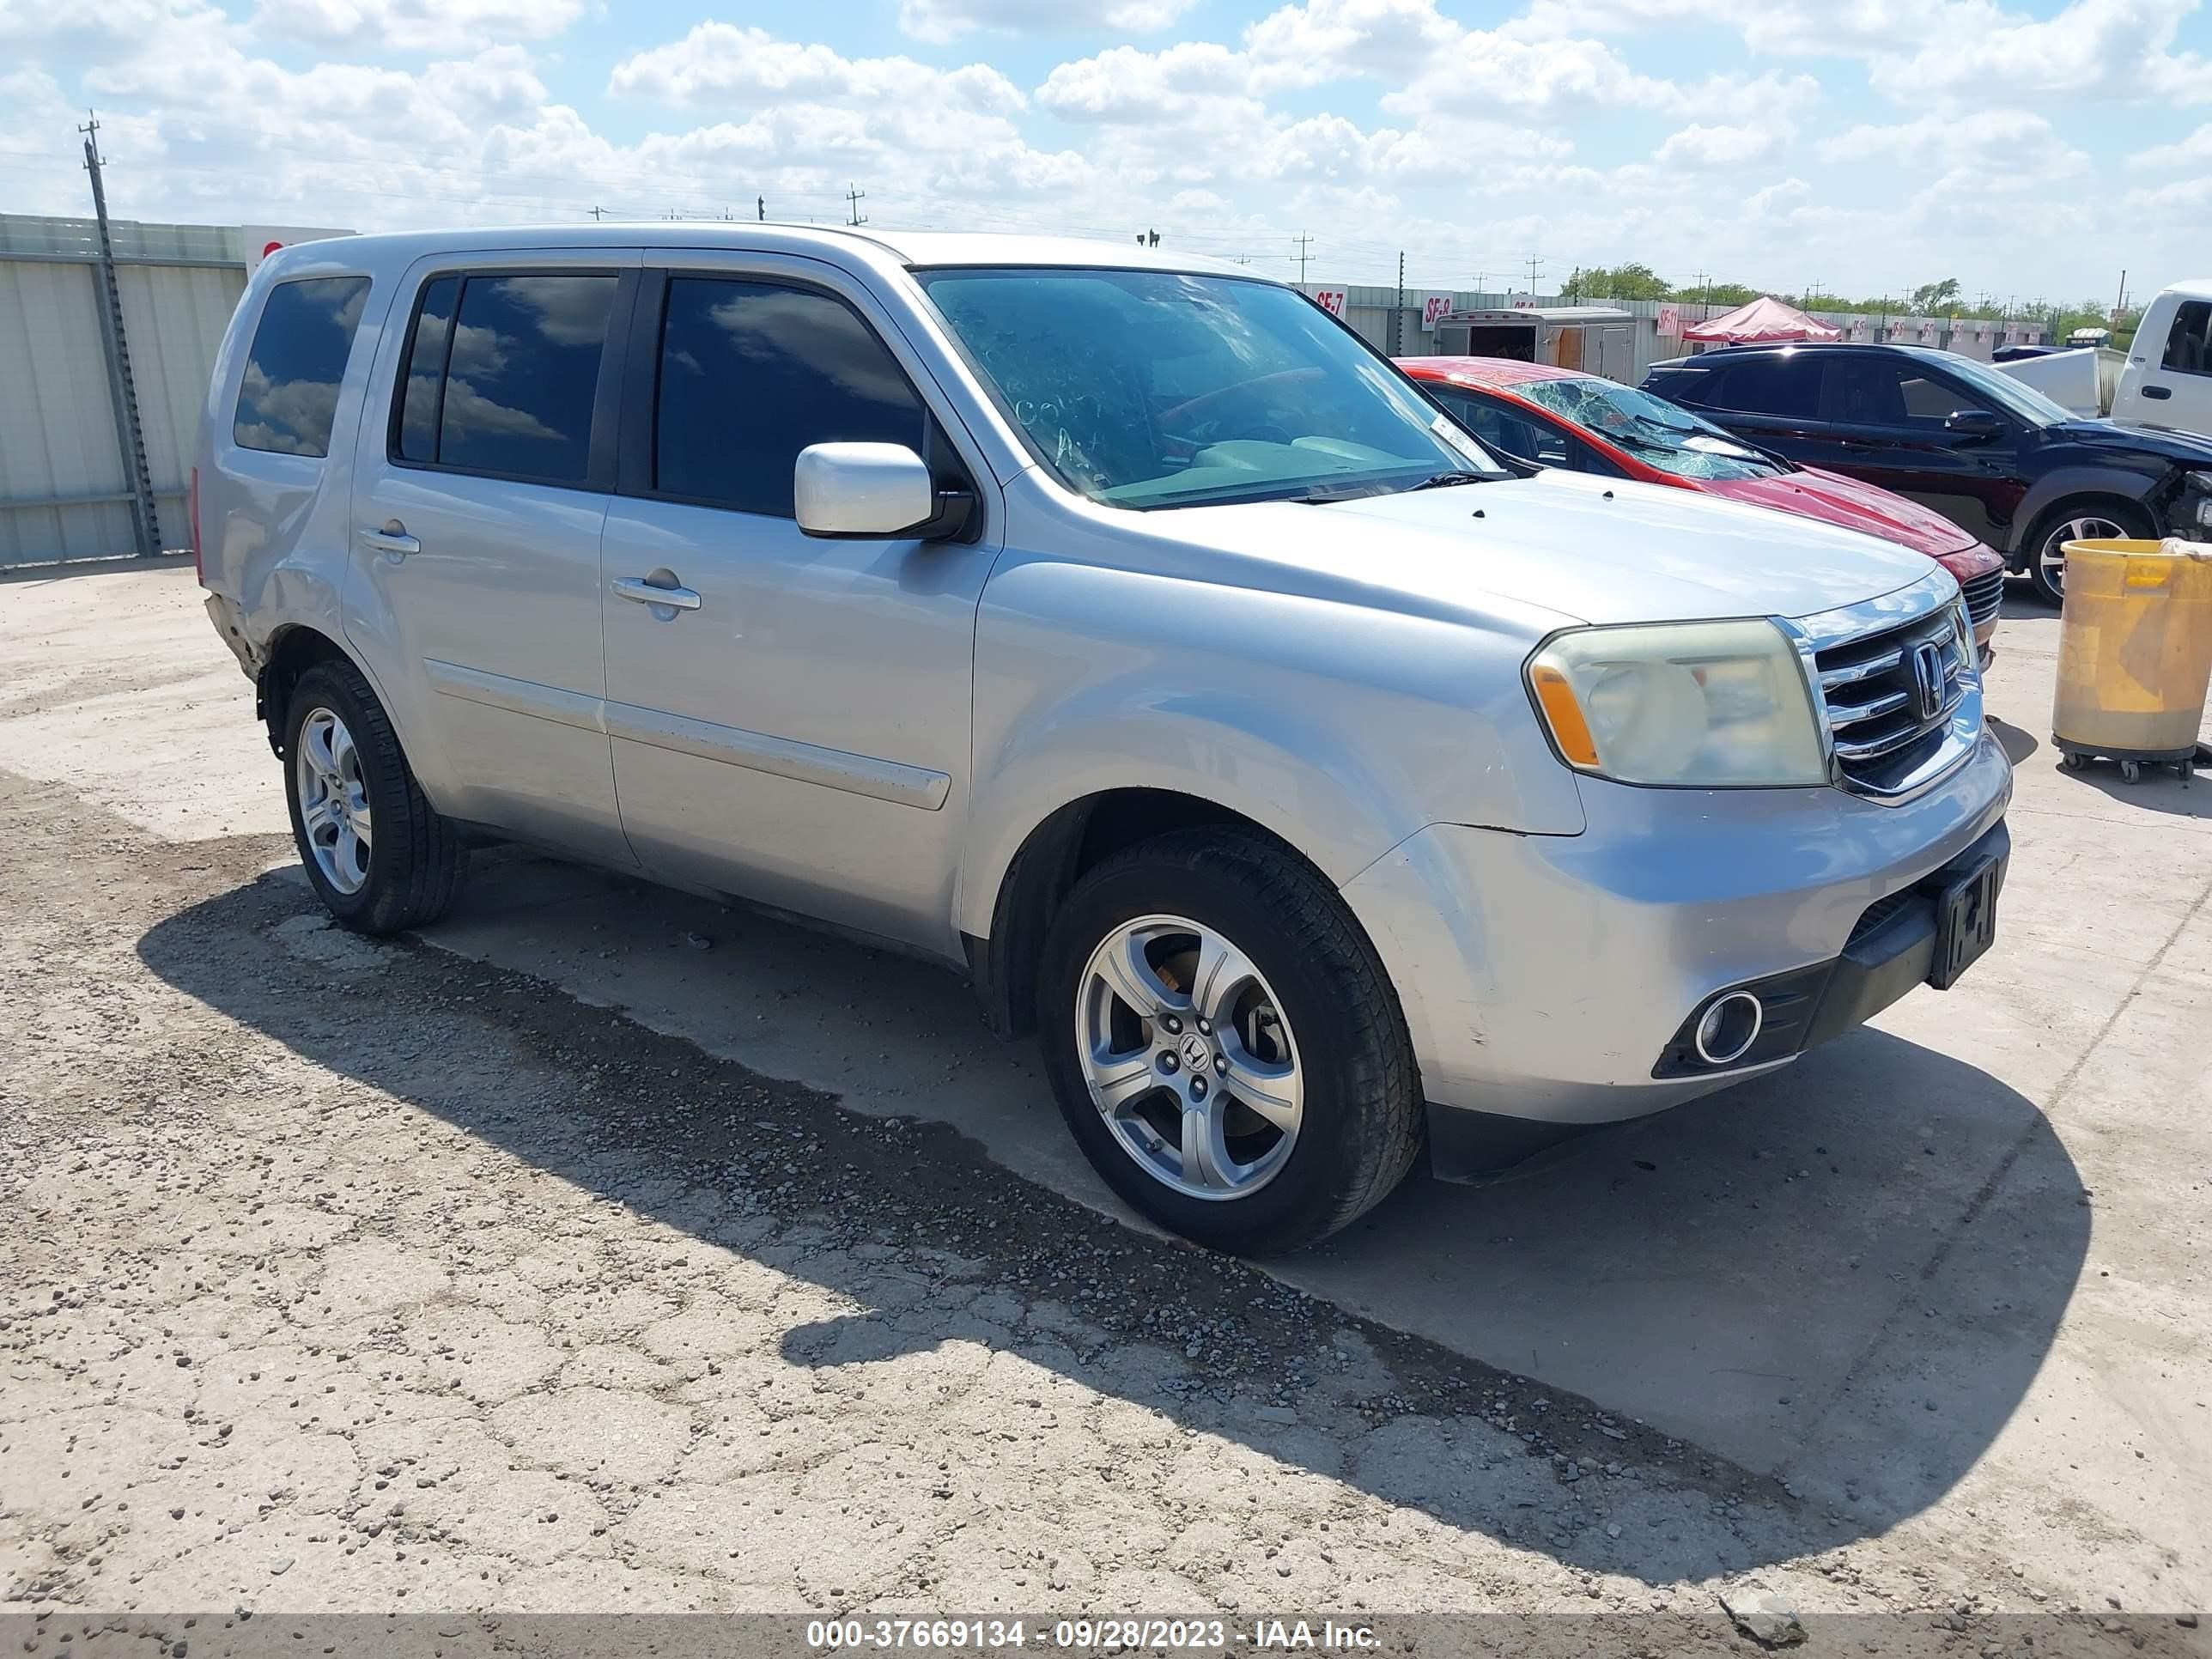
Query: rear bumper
pixel 1544 977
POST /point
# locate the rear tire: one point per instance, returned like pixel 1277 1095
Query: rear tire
pixel 2072 521
pixel 377 853
pixel 1263 989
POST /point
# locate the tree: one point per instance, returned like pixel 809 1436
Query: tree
pixel 1932 297
pixel 1628 281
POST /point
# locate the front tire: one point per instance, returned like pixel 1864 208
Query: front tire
pixel 2075 522
pixel 1225 1045
pixel 377 853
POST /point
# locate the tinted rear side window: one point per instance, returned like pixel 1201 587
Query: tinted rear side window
pixel 752 373
pixel 289 397
pixel 1766 385
pixel 522 375
pixel 426 370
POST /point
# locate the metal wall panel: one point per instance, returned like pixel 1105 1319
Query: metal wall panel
pixel 57 441
pixel 64 489
pixel 174 317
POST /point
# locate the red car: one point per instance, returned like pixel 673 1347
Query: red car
pixel 1564 417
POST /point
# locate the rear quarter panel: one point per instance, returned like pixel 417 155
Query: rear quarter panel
pixel 274 528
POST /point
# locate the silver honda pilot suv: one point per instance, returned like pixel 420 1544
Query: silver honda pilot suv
pixel 1117 628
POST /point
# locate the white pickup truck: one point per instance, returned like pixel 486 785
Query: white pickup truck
pixel 2164 379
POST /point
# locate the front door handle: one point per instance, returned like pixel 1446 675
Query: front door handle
pixel 392 538
pixel 647 592
pixel 2160 392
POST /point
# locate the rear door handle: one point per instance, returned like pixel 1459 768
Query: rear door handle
pixel 392 538
pixel 2159 391
pixel 645 592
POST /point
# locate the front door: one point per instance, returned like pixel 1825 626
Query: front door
pixel 2168 380
pixel 793 724
pixel 1885 417
pixel 478 506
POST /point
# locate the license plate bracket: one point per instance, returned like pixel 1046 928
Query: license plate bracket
pixel 1965 921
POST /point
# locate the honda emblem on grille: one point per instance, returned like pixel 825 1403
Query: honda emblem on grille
pixel 1928 678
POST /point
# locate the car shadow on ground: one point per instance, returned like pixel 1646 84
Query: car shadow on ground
pixel 1853 1269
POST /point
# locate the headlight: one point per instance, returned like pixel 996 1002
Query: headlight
pixel 1696 704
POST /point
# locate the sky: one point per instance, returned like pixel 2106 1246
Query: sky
pixel 2028 148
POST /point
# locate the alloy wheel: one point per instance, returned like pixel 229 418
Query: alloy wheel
pixel 333 800
pixel 2051 557
pixel 1188 1058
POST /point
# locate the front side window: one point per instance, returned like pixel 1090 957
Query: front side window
pixel 1658 433
pixel 1153 389
pixel 1506 430
pixel 752 373
pixel 289 397
pixel 1992 388
pixel 502 374
pixel 2189 342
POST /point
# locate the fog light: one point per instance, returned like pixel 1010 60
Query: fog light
pixel 1728 1028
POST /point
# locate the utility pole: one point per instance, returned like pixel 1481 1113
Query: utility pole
pixel 853 197
pixel 2120 300
pixel 760 208
pixel 121 388
pixel 598 213
pixel 1534 261
pixel 1304 242
pixel 1398 311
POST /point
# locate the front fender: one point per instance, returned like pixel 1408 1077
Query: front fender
pixel 2125 483
pixel 1340 729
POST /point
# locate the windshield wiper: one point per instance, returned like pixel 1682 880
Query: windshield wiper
pixel 1446 480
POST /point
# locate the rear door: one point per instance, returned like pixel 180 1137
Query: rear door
pixel 1771 398
pixel 795 729
pixel 1886 417
pixel 481 491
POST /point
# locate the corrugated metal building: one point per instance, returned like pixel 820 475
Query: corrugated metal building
pixel 66 489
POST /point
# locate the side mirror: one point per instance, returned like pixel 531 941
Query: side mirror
pixel 1976 424
pixel 873 492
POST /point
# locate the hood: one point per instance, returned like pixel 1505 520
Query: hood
pixel 1586 549
pixel 2183 446
pixel 1834 499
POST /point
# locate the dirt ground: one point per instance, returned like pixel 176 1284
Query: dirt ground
pixel 347 1276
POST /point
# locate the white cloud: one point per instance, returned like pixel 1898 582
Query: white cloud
pixel 2113 48
pixel 415 25
pixel 940 21
pixel 1995 149
pixel 1700 146
pixel 2193 151
pixel 720 61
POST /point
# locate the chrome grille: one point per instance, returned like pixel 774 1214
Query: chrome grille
pixel 1884 736
pixel 1985 596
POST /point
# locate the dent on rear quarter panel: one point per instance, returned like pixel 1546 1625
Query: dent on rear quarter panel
pixel 1341 729
pixel 286 521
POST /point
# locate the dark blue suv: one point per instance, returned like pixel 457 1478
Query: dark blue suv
pixel 1993 455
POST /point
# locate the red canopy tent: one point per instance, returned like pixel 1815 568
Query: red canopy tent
pixel 1763 320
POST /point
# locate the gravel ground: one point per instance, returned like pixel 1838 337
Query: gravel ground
pixel 362 1277
pixel 414 1283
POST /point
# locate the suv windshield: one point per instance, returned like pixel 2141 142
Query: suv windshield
pixel 1149 388
pixel 2016 397
pixel 1655 431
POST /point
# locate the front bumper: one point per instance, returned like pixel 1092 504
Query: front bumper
pixel 1543 977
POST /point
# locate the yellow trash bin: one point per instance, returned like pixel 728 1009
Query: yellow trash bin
pixel 2135 652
